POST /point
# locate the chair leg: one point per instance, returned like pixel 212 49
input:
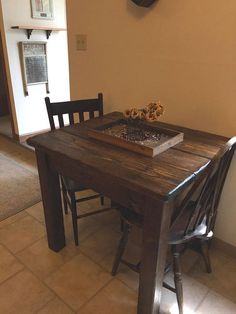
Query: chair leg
pixel 102 200
pixel 121 224
pixel 204 245
pixel 177 278
pixel 121 248
pixel 74 218
pixel 64 197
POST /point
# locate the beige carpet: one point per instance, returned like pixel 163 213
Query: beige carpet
pixel 19 188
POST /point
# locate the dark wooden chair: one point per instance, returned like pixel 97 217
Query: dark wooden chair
pixel 69 110
pixel 193 219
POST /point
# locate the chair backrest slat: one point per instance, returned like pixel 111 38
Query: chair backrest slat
pixel 71 118
pixel 91 114
pixel 223 173
pixel 61 121
pixel 224 165
pixel 62 109
pixel 50 113
pixel 209 185
pixel 81 116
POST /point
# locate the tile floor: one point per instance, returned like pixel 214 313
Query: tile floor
pixel 34 279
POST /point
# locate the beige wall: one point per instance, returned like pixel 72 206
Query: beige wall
pixel 183 52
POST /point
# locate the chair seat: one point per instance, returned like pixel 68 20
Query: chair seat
pixel 199 232
pixel 135 219
pixel 72 186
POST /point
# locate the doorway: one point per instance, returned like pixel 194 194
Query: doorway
pixel 6 123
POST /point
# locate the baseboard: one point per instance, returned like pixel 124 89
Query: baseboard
pixel 225 247
pixel 23 138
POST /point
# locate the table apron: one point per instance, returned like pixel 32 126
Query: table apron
pixel 103 183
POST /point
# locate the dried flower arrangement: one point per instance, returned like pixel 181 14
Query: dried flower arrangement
pixel 150 113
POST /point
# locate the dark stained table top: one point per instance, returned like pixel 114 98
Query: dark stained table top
pixel 160 177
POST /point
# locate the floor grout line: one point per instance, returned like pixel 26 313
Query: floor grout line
pixel 44 281
pixel 38 278
pixel 203 299
pixel 99 290
pixel 12 221
pixel 13 275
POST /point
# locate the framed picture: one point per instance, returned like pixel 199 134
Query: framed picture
pixel 42 9
pixel 34 64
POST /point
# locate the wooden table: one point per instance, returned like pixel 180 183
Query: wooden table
pixel 144 184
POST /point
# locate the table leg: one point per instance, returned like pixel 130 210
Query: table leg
pixel 155 242
pixel 51 196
